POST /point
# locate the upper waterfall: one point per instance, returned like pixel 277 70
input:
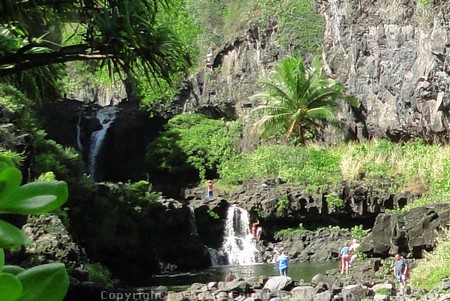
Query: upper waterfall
pixel 106 116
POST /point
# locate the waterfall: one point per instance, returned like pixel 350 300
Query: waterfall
pixel 193 221
pixel 106 116
pixel 79 144
pixel 239 244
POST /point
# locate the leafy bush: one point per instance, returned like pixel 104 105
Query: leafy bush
pixel 140 191
pixel 334 201
pixel 99 273
pixel 282 234
pixel 64 162
pixel 192 141
pixel 358 232
pixel 283 202
pixel 45 282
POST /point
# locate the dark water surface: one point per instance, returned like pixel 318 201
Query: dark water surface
pixel 297 271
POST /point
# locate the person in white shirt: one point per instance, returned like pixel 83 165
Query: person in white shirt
pixel 353 247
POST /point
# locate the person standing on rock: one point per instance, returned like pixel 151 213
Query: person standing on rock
pixel 345 258
pixel 254 227
pixel 400 269
pixel 283 263
pixel 210 188
pixel 353 247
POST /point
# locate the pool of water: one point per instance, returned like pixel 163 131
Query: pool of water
pixel 297 271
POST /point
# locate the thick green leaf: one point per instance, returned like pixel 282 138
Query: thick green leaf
pixel 12 269
pixel 36 198
pixel 10 287
pixel 11 237
pixel 10 179
pixel 48 282
pixel 2 259
pixel 5 162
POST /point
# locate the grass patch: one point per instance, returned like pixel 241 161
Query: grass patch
pixel 435 265
pixel 414 167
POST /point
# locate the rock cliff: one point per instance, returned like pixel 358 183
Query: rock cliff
pixel 392 55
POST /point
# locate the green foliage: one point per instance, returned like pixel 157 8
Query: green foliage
pixel 298 101
pixel 39 83
pixel 334 228
pixel 192 140
pixel 140 191
pixel 434 265
pixel 358 232
pixel 334 201
pixel 98 273
pixel 423 3
pixel 283 202
pixel 47 282
pixel 213 214
pixel 284 233
pixel 18 104
pixel 299 26
pixel 383 291
pixel 64 163
pixel 310 165
pixel 127 37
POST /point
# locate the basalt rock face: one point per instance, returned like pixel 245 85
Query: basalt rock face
pixel 286 205
pixel 392 55
pixel 407 233
pixel 222 89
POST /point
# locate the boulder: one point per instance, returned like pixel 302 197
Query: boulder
pixel 407 232
pixel 277 283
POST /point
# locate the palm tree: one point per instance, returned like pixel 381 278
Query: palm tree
pixel 299 100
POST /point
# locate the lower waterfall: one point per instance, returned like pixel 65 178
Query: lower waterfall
pixel 239 244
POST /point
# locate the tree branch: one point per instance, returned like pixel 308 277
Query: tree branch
pixel 30 61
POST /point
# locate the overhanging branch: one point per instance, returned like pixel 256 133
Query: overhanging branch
pixel 18 62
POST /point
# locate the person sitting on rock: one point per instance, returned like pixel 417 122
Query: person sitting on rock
pixel 230 277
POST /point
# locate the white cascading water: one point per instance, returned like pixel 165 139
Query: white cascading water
pixel 79 144
pixel 106 116
pixel 193 221
pixel 239 244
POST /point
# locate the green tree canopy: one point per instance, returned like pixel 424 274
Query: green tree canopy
pixel 298 100
pixel 125 35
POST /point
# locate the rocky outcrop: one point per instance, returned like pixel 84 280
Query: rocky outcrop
pixel 135 237
pixel 393 56
pixel 222 89
pixel 407 233
pixel 286 205
pixel 51 242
